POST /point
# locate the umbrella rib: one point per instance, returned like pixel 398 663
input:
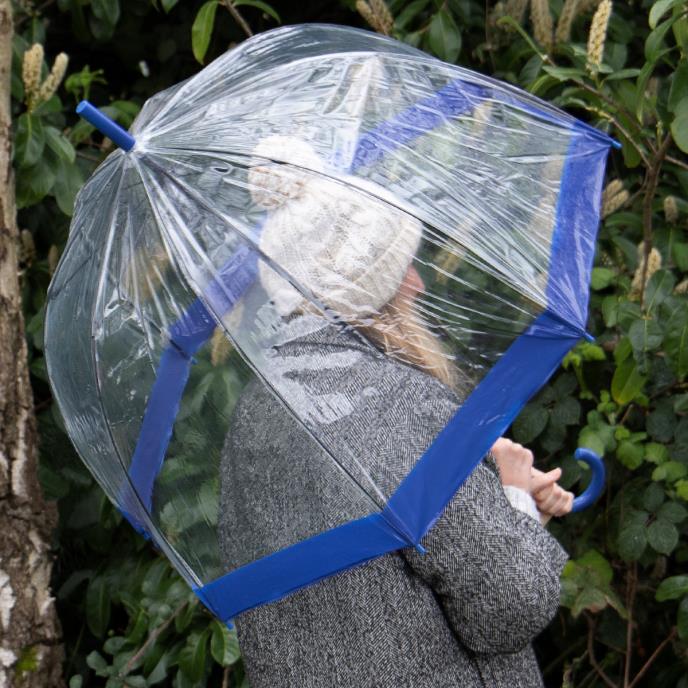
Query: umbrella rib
pixel 78 231
pixel 95 360
pixel 482 263
pixel 542 109
pixel 136 303
pixel 383 500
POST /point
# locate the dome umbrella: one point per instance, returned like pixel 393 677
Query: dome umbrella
pixel 228 231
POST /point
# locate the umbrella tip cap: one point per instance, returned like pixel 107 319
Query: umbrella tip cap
pixel 105 125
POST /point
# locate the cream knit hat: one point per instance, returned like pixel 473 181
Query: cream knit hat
pixel 349 249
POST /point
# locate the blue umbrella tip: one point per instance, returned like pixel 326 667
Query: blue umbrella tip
pixel 107 126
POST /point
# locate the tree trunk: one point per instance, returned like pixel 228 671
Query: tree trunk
pixel 30 646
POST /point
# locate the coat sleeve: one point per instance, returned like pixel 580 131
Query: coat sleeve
pixel 494 569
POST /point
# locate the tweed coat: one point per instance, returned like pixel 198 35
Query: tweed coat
pixel 461 616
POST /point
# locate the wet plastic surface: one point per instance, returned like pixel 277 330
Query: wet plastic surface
pixel 315 181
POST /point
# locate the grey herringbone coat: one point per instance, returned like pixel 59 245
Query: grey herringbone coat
pixel 461 616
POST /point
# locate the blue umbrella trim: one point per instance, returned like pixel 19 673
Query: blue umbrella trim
pixel 456 451
pixel 486 414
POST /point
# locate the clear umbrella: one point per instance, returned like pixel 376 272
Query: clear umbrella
pixel 231 224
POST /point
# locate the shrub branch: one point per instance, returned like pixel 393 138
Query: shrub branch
pixel 237 17
pixel 631 588
pixel 150 640
pixel 650 188
pixel 591 653
pixel 652 657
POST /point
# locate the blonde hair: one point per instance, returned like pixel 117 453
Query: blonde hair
pixel 397 330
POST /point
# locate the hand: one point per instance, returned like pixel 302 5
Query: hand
pixel 515 463
pixel 551 499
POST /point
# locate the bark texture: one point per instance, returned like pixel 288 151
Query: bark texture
pixel 30 645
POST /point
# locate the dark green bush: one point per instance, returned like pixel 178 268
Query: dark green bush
pixel 128 619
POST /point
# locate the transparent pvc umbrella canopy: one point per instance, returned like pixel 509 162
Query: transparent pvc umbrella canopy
pixel 256 231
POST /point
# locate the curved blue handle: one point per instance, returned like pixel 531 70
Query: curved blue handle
pixel 596 485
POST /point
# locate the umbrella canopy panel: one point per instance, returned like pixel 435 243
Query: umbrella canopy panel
pixel 315 200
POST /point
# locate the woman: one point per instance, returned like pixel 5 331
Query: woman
pixel 463 614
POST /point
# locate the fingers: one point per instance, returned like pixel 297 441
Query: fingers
pixel 541 481
pixel 551 502
pixel 543 496
pixel 565 504
pixel 557 501
pixel 514 462
pixel 504 449
pixel 501 445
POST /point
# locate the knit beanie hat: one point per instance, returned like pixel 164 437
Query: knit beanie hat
pixel 346 247
pixel 272 184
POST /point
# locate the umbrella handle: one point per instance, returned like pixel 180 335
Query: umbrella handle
pixel 596 485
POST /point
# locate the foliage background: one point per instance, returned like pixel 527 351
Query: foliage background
pixel 128 619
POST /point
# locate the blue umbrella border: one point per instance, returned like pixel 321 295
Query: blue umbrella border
pixel 487 413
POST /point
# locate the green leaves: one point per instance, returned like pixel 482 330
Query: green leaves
pixel 66 187
pixel 670 471
pixel 192 658
pixel 645 336
pixel 550 414
pixel 676 341
pixel 653 497
pixel 97 662
pixel 631 454
pixel 408 13
pixel 627 382
pixel 29 140
pixel 98 605
pixel 672 512
pixel 45 159
pixel 59 144
pixel 662 536
pixel 659 288
pixel 597 435
pixel 672 588
pixel 586 585
pixel 678 105
pixel 682 619
pixel 682 489
pixel 660 8
pixel 601 278
pixel 224 645
pixel 530 423
pixel 107 11
pixel 104 17
pixel 202 29
pixel 632 541
pixel 654 44
pixel 661 422
pixel 564 73
pixel 679 85
pixel 444 37
pixel 162 608
pixel 653 525
pixel 259 4
pixel 79 83
pixel 631 406
pixel 679 125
